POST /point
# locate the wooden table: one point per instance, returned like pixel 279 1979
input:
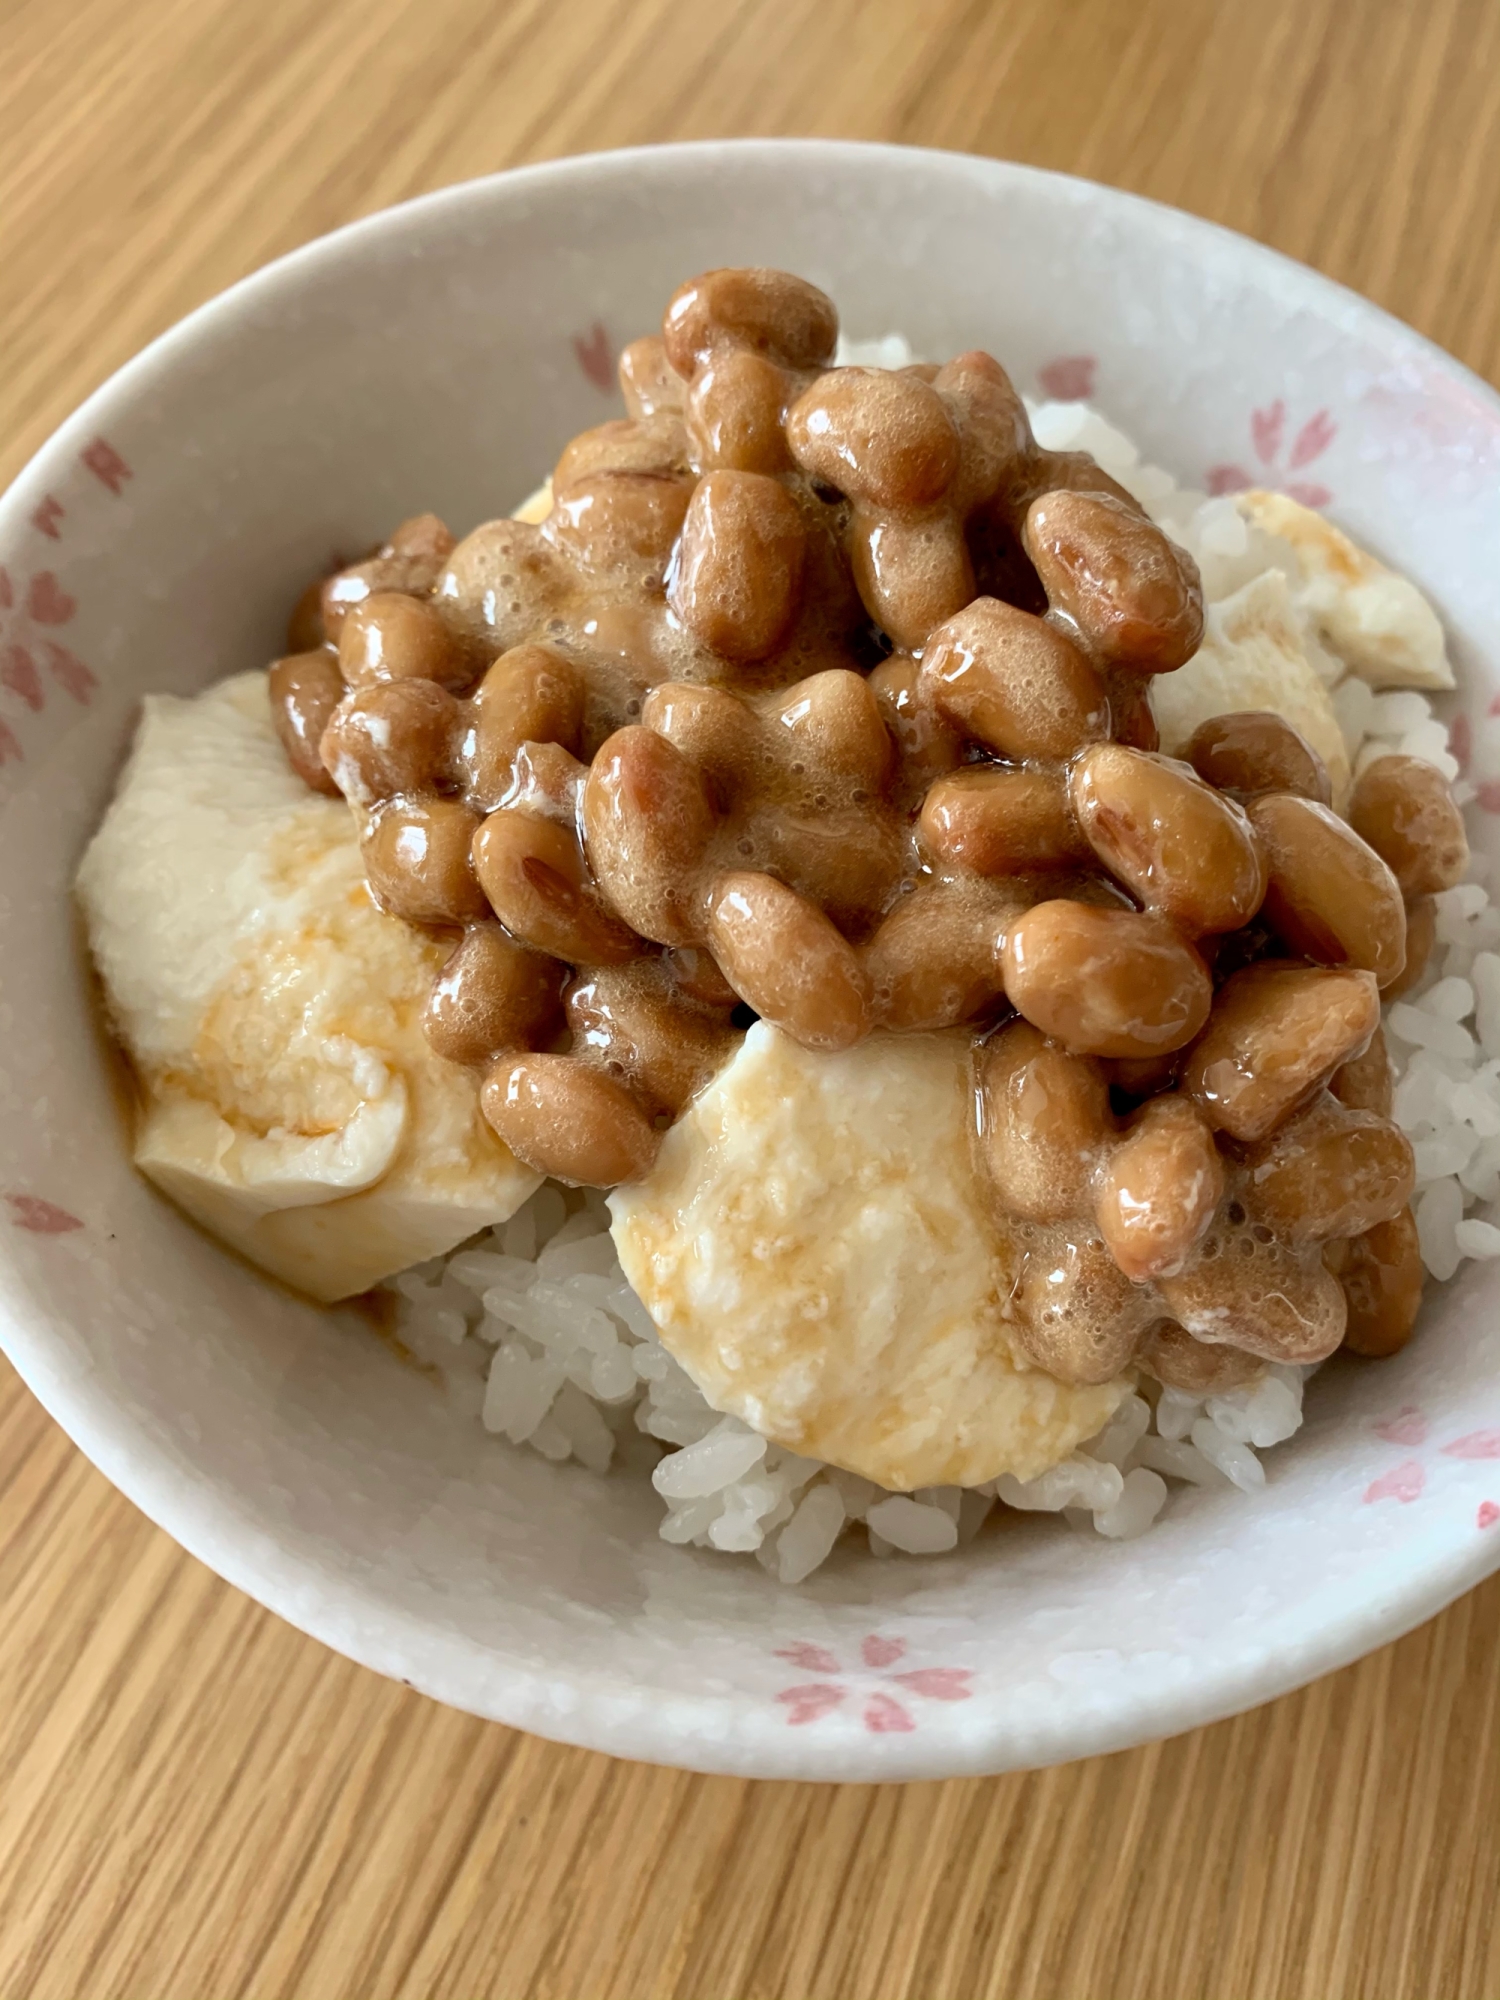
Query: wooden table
pixel 195 1801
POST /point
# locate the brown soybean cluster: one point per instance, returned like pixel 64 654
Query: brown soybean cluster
pixel 822 694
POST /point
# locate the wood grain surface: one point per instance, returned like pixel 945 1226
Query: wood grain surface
pixel 195 1801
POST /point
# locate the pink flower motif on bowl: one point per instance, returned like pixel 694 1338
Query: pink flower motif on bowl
pixel 1408 1426
pixel 1267 435
pixel 1070 378
pixel 1407 1481
pixel 1403 1482
pixel 42 1218
pixel 1477 1444
pixel 884 1712
pixel 596 356
pixel 34 608
pixel 29 613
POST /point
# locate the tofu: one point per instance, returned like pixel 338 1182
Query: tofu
pixel 273 1014
pixel 1378 623
pixel 817 1248
pixel 1253 656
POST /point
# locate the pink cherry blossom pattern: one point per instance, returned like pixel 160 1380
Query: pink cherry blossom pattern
pixel 19 674
pixel 1408 1426
pixel 809 1703
pixel 1404 1482
pixel 878 1652
pixel 34 608
pixel 30 654
pixel 71 675
pixel 937 1683
pixel 1227 479
pixel 46 516
pixel 1407 1481
pixel 595 356
pixel 882 1711
pixel 816 1659
pixel 1070 378
pixel 1266 427
pixel 885 1716
pixel 1314 438
pixel 1267 436
pixel 1477 1444
pixel 42 1218
pixel 47 603
pixel 106 464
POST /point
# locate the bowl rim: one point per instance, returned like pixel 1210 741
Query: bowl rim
pixel 591 1705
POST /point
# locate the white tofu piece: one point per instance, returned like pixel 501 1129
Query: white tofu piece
pixel 817 1248
pixel 1378 623
pixel 273 1014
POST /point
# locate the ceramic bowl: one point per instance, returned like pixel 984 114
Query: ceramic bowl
pixel 437 356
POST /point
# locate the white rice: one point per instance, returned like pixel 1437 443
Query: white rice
pixel 571 1365
pixel 538 1314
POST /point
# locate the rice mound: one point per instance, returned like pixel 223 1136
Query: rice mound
pixel 537 1325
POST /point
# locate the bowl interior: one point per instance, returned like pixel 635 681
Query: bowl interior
pixel 437 357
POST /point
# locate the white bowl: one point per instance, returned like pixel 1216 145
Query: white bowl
pixel 437 356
